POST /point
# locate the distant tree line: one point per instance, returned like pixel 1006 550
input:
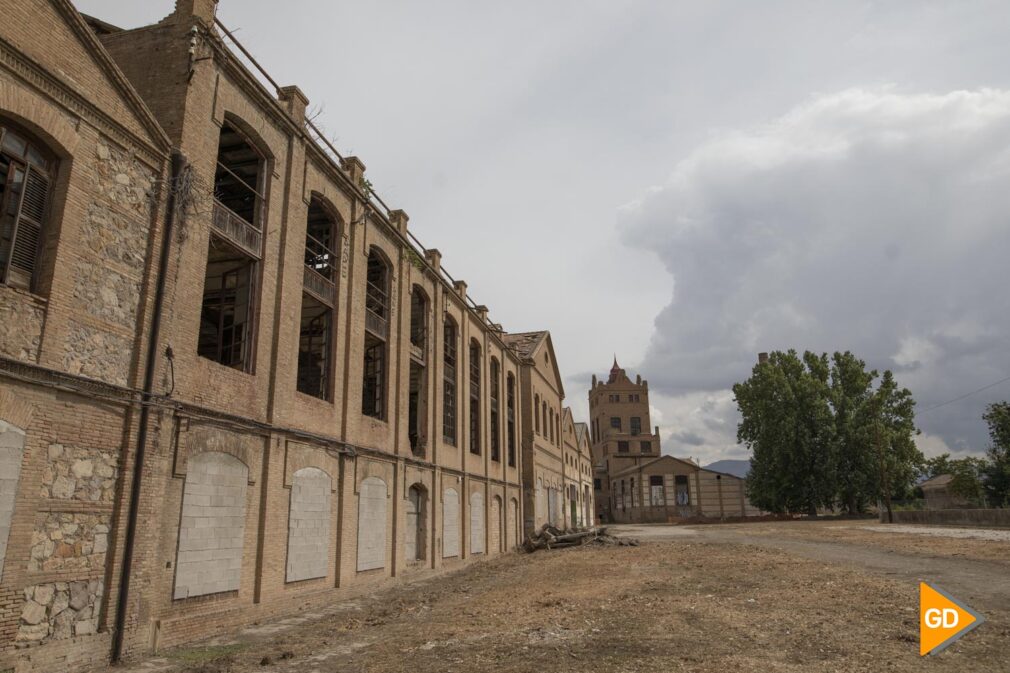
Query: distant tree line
pixel 986 479
pixel 825 432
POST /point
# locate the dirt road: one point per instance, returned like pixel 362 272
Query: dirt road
pixel 770 597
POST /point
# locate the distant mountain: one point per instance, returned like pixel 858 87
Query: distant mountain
pixel 738 468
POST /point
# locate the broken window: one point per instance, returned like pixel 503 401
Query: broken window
pixel 495 399
pixel 449 382
pixel 238 181
pixel 314 347
pixel 656 490
pixel 510 402
pixel 373 386
pixel 622 447
pixel 226 316
pixel 418 393
pixel 418 320
pixel 682 488
pixel 25 185
pixel 474 397
pixel 321 260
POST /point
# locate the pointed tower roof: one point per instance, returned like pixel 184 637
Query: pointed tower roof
pixel 616 372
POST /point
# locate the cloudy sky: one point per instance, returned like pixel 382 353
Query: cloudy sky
pixel 688 183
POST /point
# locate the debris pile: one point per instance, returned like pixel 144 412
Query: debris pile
pixel 552 537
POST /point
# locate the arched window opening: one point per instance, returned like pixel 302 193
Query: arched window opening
pixel 536 413
pixel 475 366
pixel 418 321
pixel 415 537
pixel 322 236
pixel 238 180
pixel 510 401
pixel 373 393
pixel 449 357
pixel 26 170
pixel 495 397
pixel 234 251
pixel 417 398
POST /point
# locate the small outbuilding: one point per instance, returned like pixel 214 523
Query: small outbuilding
pixel 938 495
pixel 667 488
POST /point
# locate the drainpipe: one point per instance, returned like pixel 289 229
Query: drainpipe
pixel 178 163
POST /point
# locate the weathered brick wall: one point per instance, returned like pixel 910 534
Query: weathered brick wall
pixel 293 546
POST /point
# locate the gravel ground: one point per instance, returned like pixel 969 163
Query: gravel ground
pixel 993 534
pixel 697 601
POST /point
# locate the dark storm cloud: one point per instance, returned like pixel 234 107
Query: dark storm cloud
pixel 866 220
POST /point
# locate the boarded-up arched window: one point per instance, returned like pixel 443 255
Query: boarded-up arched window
pixel 213 525
pixel 513 523
pixel 415 530
pixel 12 449
pixel 494 533
pixel 450 523
pixel 308 525
pixel 476 523
pixel 372 524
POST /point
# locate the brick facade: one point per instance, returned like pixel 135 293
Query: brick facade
pixel 257 475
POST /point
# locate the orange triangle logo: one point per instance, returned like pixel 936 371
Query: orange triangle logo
pixel 942 619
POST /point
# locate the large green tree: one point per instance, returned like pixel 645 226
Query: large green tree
pixel 851 391
pixel 892 414
pixel 996 472
pixel 786 421
pixel 821 434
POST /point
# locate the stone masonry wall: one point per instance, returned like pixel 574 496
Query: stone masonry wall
pixel 69 541
pixel 21 318
pixel 59 610
pixel 76 473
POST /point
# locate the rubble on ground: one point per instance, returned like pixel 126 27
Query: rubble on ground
pixel 552 537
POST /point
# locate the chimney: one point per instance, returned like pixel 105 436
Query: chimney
pixel 762 358
pixel 482 312
pixel 399 219
pixel 198 9
pixel 594 380
pixel 294 102
pixel 460 287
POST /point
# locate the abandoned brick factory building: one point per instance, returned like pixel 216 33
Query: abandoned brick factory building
pixel 232 383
